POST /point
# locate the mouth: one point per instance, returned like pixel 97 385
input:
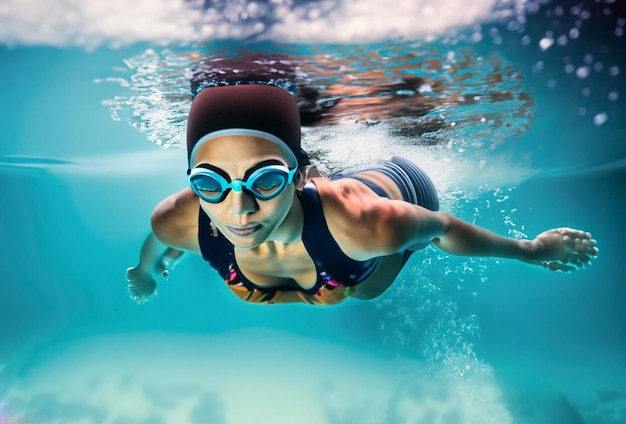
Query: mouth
pixel 244 231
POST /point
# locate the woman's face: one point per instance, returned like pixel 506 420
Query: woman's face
pixel 244 220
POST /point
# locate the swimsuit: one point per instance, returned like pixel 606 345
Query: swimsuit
pixel 337 274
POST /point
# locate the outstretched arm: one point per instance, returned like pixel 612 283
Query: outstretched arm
pixel 563 249
pixel 365 226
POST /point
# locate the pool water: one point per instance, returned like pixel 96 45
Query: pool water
pixel 518 119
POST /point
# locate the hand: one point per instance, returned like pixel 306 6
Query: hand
pixel 563 249
pixel 140 285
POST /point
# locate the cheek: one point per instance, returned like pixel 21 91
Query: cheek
pixel 282 205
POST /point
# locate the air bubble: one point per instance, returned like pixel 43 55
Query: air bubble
pixel 600 119
pixel 582 72
pixel 570 68
pixel 586 91
pixel 613 96
pixel 582 111
pixel 525 40
pixel 545 43
pixel 619 31
pixel 614 71
pixel 562 40
pixel 513 26
pixel 574 33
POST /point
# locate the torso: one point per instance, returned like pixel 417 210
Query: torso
pixel 279 265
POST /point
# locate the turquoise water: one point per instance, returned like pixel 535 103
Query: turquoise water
pixel 534 138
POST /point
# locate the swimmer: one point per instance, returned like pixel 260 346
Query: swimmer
pixel 277 231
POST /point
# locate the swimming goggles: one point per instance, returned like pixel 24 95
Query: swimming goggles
pixel 263 181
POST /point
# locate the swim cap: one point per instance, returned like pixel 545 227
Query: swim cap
pixel 258 107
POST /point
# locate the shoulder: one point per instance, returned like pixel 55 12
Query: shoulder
pixel 362 223
pixel 175 220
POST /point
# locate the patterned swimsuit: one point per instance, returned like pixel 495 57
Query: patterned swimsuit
pixel 337 274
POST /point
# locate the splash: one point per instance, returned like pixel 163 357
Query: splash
pixel 400 98
pixel 94 23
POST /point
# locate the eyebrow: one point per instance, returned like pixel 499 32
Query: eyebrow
pixel 247 174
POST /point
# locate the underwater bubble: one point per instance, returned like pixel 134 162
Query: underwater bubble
pixel 551 83
pixel 613 96
pixel 538 67
pixel 588 59
pixel 562 40
pixel 614 71
pixel 574 33
pixel 545 43
pixel 525 40
pixel 513 26
pixel 583 72
pixel 598 66
pixel 619 32
pixel 600 119
pixel 586 91
pixel 582 110
pixel 570 68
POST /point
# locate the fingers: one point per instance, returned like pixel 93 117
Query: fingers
pixel 580 243
pixel 586 246
pixel 558 266
pixel 140 291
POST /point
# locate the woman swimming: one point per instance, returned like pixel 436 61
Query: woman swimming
pixel 277 231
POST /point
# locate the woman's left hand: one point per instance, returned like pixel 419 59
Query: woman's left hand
pixel 563 249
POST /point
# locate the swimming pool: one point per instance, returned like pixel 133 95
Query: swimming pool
pixel 525 132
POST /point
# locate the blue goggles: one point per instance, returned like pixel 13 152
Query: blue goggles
pixel 264 181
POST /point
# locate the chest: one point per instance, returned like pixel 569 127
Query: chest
pixel 276 264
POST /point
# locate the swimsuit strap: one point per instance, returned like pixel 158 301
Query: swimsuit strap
pixel 328 257
pixel 215 248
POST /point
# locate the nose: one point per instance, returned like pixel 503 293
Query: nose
pixel 241 203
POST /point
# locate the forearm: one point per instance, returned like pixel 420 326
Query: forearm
pixel 153 251
pixel 464 239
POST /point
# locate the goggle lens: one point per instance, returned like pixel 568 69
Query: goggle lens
pixel 265 183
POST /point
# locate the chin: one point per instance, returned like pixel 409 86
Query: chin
pixel 246 242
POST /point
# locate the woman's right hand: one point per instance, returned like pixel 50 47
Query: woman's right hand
pixel 141 286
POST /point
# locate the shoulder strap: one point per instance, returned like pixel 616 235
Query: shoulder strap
pixel 321 245
pixel 215 248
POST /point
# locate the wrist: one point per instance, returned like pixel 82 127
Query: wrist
pixel 528 250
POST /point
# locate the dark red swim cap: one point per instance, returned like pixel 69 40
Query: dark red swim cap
pixel 258 107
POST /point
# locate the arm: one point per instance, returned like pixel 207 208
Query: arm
pixel 562 249
pixel 365 226
pixel 174 225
